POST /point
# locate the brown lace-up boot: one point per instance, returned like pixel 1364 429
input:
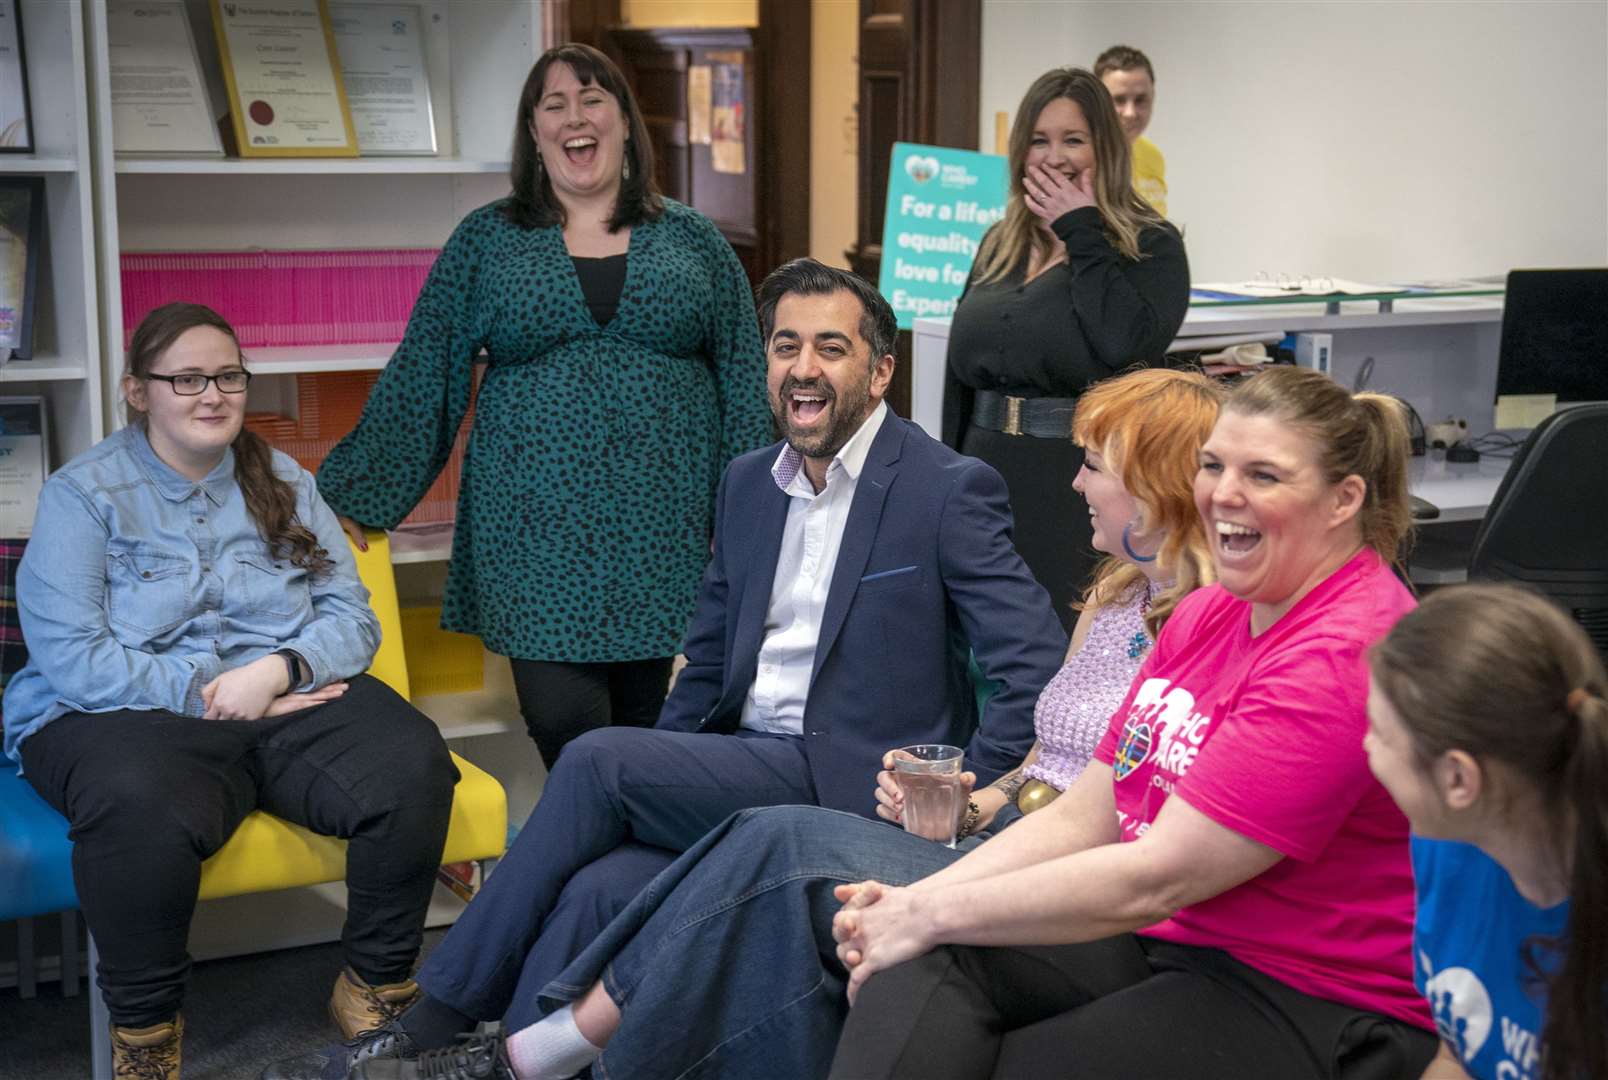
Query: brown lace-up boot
pixel 356 1006
pixel 147 1053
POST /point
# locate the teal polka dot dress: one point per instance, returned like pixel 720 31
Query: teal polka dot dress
pixel 587 493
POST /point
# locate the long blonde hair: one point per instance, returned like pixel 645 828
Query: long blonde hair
pixel 1149 425
pixel 1126 214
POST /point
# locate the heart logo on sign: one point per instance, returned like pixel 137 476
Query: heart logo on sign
pixel 921 169
pixel 1134 749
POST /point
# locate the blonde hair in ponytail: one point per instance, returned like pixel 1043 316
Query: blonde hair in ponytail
pixel 1362 435
pixel 270 500
pixel 1502 674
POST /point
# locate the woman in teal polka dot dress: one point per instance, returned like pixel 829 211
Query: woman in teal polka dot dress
pixel 623 370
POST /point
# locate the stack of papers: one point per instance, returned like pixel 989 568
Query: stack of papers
pixel 1270 289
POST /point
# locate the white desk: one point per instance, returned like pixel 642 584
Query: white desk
pixel 1440 354
pixel 1461 491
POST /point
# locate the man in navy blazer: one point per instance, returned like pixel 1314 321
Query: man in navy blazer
pixel 926 571
pixel 855 567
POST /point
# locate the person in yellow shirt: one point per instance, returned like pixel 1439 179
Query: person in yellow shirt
pixel 1131 81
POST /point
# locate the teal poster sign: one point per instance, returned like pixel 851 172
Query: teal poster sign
pixel 940 203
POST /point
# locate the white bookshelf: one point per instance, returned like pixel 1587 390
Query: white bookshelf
pixel 65 365
pixel 310 166
pixel 478 54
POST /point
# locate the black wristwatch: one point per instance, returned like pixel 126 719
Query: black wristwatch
pixel 292 667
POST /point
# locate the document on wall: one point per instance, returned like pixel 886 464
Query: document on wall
pixel 387 85
pixel 286 97
pixel 728 113
pixel 24 433
pixel 698 105
pixel 159 99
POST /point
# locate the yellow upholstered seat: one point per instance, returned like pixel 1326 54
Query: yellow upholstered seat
pixel 268 853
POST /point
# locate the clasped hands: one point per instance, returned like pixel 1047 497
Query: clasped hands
pixel 880 926
pixel 260 689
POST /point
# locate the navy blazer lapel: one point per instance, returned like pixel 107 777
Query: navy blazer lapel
pixel 865 514
pixel 759 550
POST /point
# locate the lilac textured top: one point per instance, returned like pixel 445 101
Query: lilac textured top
pixel 1076 706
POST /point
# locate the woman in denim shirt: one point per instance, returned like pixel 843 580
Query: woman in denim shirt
pixel 197 636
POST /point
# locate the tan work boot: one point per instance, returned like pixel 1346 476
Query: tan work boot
pixel 356 1006
pixel 147 1053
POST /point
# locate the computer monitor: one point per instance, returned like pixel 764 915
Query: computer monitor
pixel 1555 335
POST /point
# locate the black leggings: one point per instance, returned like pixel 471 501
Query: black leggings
pixel 561 700
pixel 150 795
pixel 1115 1009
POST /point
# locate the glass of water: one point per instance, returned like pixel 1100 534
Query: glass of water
pixel 929 776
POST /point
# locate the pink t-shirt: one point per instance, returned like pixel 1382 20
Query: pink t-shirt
pixel 1264 736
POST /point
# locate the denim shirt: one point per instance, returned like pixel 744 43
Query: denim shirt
pixel 140 586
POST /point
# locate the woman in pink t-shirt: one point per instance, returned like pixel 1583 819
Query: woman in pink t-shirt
pixel 1226 891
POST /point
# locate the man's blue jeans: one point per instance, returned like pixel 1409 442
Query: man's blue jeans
pixel 724 965
pixel 614 797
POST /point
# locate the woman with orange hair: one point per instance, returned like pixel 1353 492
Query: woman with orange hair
pixel 737 932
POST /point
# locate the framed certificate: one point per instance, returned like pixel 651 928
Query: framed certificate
pixel 24 461
pixel 159 100
pixel 16 126
pixel 383 69
pixel 22 232
pixel 286 98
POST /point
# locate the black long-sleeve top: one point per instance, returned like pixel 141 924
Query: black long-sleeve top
pixel 1075 324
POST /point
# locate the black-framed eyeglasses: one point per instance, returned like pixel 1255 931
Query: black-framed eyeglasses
pixel 189 385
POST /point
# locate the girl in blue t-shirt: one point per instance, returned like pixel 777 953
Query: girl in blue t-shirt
pixel 1488 726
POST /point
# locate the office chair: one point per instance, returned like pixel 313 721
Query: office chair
pixel 1547 527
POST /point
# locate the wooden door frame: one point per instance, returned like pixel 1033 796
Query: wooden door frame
pixel 921 82
pixel 783 39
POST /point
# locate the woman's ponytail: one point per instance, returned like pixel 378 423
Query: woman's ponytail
pixel 1573 1041
pixel 272 505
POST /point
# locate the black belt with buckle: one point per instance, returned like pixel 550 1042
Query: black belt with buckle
pixel 1039 417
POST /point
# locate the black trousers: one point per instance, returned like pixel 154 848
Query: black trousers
pixel 1053 533
pixel 150 795
pixel 1122 1008
pixel 561 700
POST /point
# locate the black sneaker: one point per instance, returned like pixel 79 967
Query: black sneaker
pixel 338 1060
pixel 475 1057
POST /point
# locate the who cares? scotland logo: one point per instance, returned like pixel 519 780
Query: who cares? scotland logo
pixel 1461 1005
pixel 921 167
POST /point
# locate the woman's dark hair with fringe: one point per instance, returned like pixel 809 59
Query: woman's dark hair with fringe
pixel 270 501
pixel 1502 674
pixel 533 204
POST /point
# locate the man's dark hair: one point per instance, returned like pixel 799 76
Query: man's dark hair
pixel 1123 58
pixel 807 277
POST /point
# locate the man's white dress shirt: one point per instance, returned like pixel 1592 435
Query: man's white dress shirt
pixel 804 566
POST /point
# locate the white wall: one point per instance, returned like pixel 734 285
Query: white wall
pixel 1368 140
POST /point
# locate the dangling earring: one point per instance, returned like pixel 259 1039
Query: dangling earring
pixel 1127 545
pixel 539 167
pixel 625 167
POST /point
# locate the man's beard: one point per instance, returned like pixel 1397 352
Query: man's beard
pixel 848 412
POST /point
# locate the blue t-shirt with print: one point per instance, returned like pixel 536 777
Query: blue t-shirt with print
pixel 1469 948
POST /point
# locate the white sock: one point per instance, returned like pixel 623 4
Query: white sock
pixel 552 1048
